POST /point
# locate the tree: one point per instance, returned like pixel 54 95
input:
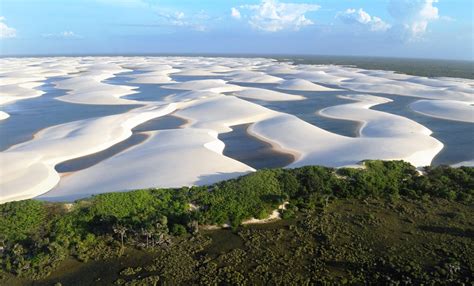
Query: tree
pixel 121 230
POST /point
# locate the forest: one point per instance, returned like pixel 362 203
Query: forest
pixel 385 223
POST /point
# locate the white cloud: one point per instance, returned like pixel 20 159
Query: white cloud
pixel 273 16
pixel 235 13
pixel 5 31
pixel 413 16
pixel 360 17
pixel 179 19
pixel 62 35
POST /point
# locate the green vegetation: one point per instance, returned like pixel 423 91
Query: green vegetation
pixel 382 224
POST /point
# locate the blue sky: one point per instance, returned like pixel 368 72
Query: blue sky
pixel 397 28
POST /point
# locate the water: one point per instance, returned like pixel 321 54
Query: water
pixel 31 115
pixel 307 109
pixel 160 123
pixel 90 160
pixel 457 137
pixel 146 92
pixel 252 151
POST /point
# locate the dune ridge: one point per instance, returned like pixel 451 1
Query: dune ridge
pixel 211 93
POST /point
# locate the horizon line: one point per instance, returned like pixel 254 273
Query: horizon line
pixel 223 54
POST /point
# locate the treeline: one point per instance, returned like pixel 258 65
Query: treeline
pixel 35 236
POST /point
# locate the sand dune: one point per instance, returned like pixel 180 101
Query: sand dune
pixel 89 88
pixel 302 85
pixel 170 158
pixel 4 115
pixel 445 109
pixel 252 77
pixel 266 94
pixel 32 163
pixel 193 154
pixel 374 123
pixel 213 85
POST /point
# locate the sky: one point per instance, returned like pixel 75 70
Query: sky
pixel 389 28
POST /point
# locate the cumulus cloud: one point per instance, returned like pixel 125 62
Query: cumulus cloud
pixel 360 17
pixel 62 35
pixel 273 16
pixel 5 31
pixel 235 13
pixel 179 19
pixel 413 16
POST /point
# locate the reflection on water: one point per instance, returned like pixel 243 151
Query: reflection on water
pixel 241 146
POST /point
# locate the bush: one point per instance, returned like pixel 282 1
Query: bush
pixel 178 229
pixel 18 220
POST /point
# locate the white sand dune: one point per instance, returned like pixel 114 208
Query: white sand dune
pixel 374 123
pixel 13 92
pixel 316 146
pixel 219 113
pixel 437 83
pixel 4 115
pixel 388 82
pixel 319 77
pixel 445 109
pixel 267 94
pixel 33 162
pixel 385 137
pixel 24 176
pixel 280 69
pixel 404 88
pixel 151 78
pixel 302 85
pixel 89 88
pixel 153 74
pixel 191 95
pixel 212 85
pixel 169 158
pixel 195 72
pixel 193 154
pixel 252 77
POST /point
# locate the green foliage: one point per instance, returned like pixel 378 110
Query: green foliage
pixel 235 200
pixel 20 219
pixel 178 229
pixel 379 178
pixel 36 236
pixel 446 182
pixel 139 204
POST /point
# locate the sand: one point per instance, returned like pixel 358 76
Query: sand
pixel 445 109
pixel 192 155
